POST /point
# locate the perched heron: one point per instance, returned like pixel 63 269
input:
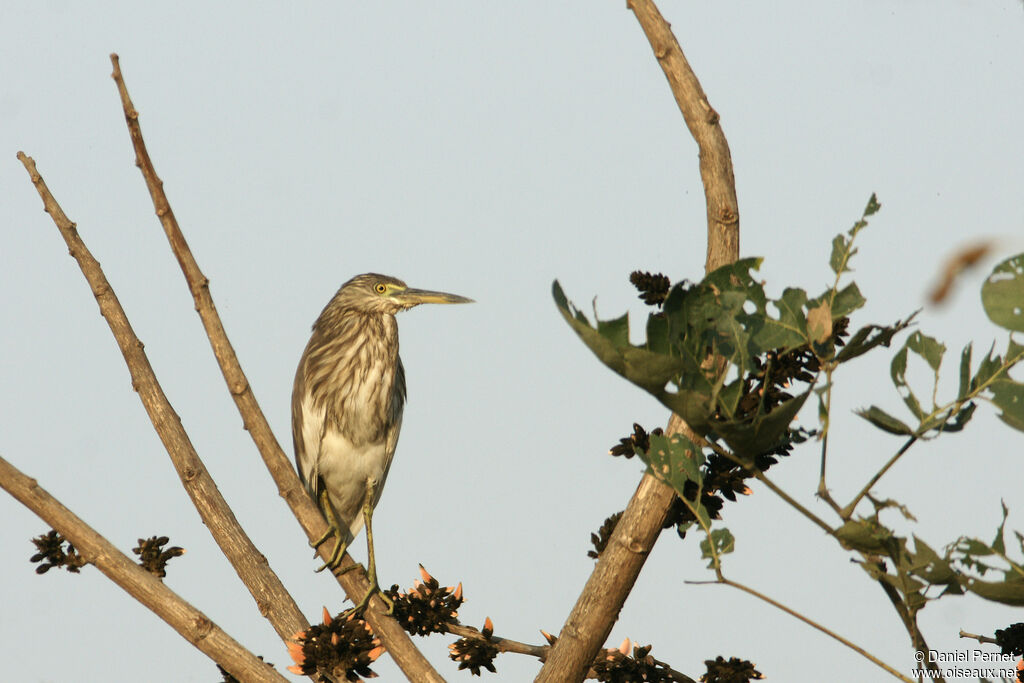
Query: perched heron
pixel 347 405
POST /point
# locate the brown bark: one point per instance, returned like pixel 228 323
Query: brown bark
pixel 598 607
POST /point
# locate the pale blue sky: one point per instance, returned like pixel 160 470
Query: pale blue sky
pixel 483 148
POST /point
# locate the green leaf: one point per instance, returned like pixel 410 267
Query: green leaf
pixel 864 535
pixel 998 544
pixel 885 421
pixel 674 460
pixel 722 541
pixel 846 301
pixel 898 372
pixel 960 420
pixel 928 348
pixel 965 372
pixel 842 246
pixel 789 330
pixel 1008 396
pixel 610 343
pixel 1009 592
pixel 870 337
pixel 1002 295
pixel 748 438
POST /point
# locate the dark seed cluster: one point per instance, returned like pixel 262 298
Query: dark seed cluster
pixel 339 649
pixel 153 557
pixel 1011 639
pixel 653 287
pixel 734 670
pixel 600 539
pixel 618 666
pixel 427 607
pixel 475 654
pixel 639 440
pixel 52 553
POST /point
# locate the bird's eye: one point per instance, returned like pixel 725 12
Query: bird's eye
pixel 380 288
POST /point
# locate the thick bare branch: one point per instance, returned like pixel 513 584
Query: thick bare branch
pixel 598 606
pixel 193 625
pixel 273 601
pixel 396 641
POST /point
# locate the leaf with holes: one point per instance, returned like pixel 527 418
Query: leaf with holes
pixel 1002 295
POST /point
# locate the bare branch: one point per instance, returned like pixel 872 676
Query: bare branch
pixel 193 625
pixel 598 606
pixel 273 601
pixel 396 641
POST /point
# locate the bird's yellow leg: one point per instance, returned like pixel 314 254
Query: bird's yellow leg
pixel 371 570
pixel 332 530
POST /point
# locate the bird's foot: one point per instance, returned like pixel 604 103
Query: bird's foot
pixel 374 590
pixel 333 529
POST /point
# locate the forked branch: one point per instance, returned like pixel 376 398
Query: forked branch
pixel 354 582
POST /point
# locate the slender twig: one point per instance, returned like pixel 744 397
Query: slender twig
pixel 847 511
pixel 909 620
pixel 823 492
pixel 810 622
pixel 193 625
pixel 601 600
pixel 541 651
pixel 979 638
pixel 273 601
pixel 396 641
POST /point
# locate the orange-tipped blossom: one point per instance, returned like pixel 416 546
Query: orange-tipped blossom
pixel 295 669
pixel 426 575
pixel 295 650
pixel 488 624
pixel 327 617
pixel 625 648
pixel 548 637
pixel 375 653
pixel 458 591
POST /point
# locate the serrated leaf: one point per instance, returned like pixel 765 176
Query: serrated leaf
pixel 1002 295
pixel 842 246
pixel 870 337
pixel 928 348
pixel 610 343
pixel 873 206
pixel 723 542
pixel 885 421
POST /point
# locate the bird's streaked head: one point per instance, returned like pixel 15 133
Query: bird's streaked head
pixel 376 293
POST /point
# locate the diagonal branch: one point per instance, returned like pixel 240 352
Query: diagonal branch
pixel 618 567
pixel 193 625
pixel 396 641
pixel 273 601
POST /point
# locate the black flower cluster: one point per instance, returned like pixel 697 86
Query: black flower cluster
pixel 617 666
pixel 639 440
pixel 475 653
pixel 1011 639
pixel 153 557
pixel 427 607
pixel 340 649
pixel 734 670
pixel 653 287
pixel 52 553
pixel 600 539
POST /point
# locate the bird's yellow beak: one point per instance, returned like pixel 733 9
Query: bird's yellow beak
pixel 414 297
